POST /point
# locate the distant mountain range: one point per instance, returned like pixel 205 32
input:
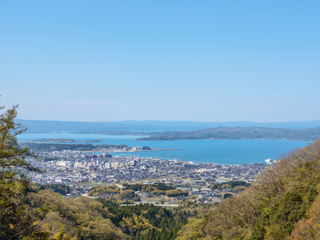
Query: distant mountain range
pixel 152 126
pixel 238 133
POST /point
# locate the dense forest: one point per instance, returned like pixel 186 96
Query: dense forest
pixel 59 188
pixel 95 191
pixel 157 188
pixel 86 218
pixel 145 222
pixel 148 187
pixel 237 133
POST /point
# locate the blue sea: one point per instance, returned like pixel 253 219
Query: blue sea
pixel 198 151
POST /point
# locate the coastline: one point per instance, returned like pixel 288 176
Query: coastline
pixel 152 150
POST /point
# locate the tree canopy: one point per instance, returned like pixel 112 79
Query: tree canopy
pixel 15 221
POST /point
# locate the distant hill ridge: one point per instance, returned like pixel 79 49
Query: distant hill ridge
pixel 238 133
pixel 76 126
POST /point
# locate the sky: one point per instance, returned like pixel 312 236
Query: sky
pixel 208 61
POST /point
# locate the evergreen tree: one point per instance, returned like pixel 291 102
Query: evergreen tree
pixel 15 221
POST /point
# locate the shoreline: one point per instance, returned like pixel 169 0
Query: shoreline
pixel 121 151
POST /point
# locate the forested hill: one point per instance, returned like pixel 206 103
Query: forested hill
pixel 283 203
pixel 238 133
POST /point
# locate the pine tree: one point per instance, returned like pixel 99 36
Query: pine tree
pixel 15 221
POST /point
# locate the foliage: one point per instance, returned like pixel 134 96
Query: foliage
pixel 102 190
pixel 129 195
pixel 15 220
pixel 176 193
pixel 156 188
pixel 191 231
pixel 227 195
pixel 59 188
pixel 146 221
pixel 231 184
pixel 146 148
pixel 82 217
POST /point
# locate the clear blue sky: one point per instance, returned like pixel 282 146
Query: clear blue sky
pixel 161 60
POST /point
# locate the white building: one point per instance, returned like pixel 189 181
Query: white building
pixel 61 163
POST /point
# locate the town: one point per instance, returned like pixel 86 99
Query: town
pixel 82 170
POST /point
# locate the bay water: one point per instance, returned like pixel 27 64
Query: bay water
pixel 224 151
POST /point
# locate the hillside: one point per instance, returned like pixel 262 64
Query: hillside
pixel 237 133
pixel 283 203
pixel 104 219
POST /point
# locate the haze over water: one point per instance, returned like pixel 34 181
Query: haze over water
pixel 199 151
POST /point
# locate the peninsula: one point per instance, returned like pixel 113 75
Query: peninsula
pixel 59 140
pixel 237 133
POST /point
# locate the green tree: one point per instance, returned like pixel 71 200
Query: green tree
pixel 15 221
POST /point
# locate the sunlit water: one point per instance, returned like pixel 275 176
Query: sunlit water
pixel 200 151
